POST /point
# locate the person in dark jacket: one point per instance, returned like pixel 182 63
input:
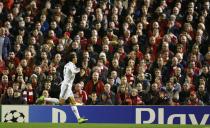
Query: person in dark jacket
pixel 111 94
pixel 105 99
pixel 17 98
pixel 93 99
pixel 203 95
pixel 7 98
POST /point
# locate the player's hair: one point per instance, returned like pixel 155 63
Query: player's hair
pixel 72 56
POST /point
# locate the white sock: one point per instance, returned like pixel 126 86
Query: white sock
pixel 75 111
pixel 52 100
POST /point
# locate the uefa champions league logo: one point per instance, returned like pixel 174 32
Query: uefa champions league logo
pixel 14 116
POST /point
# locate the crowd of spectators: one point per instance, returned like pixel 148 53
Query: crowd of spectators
pixel 130 52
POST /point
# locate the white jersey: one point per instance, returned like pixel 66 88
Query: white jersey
pixel 69 72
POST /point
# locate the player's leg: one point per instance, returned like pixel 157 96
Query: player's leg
pixel 74 107
pixel 48 99
pixel 45 98
pixel 73 103
pixel 63 93
pixel 52 100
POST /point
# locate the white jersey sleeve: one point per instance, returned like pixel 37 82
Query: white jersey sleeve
pixel 75 70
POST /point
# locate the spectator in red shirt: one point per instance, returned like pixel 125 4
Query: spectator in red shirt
pixel 94 85
pixel 123 96
pixel 193 99
pixel 136 100
pixel 12 59
pixel 79 94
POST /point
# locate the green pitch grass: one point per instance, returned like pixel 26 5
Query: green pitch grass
pixel 88 125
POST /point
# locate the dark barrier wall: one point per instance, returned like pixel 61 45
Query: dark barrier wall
pixel 110 114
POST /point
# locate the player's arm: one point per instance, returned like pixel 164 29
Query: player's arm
pixel 75 70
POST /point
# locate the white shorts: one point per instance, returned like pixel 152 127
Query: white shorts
pixel 66 91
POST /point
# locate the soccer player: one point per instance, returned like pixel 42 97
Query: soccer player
pixel 69 72
pixel 66 93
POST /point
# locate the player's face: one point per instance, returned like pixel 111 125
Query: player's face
pixel 75 60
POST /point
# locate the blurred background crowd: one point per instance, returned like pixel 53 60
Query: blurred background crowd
pixel 130 52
